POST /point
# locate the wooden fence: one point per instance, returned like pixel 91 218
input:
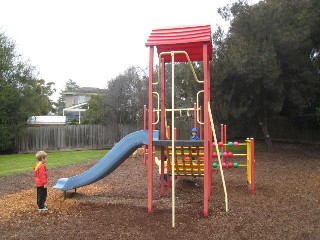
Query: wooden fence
pixel 283 130
pixel 81 137
pixel 280 129
pixel 72 137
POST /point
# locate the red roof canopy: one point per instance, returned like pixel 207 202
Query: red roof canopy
pixel 182 38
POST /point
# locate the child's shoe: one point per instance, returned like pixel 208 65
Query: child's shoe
pixel 43 209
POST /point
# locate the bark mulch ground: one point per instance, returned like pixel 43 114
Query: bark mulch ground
pixel 285 206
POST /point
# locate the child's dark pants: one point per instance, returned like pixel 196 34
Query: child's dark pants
pixel 41 197
pixel 165 179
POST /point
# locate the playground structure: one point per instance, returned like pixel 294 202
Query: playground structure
pixel 181 44
pixel 185 157
pixel 185 44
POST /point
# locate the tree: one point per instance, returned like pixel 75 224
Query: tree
pixel 60 104
pixel 124 99
pixel 21 94
pixel 94 113
pixel 71 86
pixel 186 89
pixel 261 66
pixel 186 86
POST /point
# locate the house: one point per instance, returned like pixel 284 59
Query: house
pixel 80 95
pixel 76 101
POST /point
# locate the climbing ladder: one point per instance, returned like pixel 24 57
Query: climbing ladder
pixel 187 161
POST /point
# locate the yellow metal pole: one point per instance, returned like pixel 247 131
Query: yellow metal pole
pixel 248 160
pixel 219 159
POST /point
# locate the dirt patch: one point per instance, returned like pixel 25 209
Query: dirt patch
pixel 285 206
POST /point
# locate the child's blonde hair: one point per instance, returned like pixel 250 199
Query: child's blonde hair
pixel 41 154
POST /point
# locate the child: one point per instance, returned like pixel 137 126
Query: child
pixel 41 180
pixel 158 162
pixel 194 134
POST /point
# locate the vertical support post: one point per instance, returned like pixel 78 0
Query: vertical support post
pixel 207 131
pixel 169 132
pixel 201 120
pixel 173 186
pixel 195 115
pixel 150 131
pixel 252 165
pixel 145 117
pixel 225 136
pixel 211 145
pixel 154 117
pixel 162 122
pixel 145 128
pixel 248 161
pixel 224 141
pixel 221 132
pixel 221 138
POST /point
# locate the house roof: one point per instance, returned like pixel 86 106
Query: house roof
pixel 47 120
pixel 85 91
pixel 182 38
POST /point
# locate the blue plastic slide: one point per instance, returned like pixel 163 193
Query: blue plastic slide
pixel 117 155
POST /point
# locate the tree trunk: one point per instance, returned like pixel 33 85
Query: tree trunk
pixel 266 135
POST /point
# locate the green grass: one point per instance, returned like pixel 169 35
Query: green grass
pixel 23 163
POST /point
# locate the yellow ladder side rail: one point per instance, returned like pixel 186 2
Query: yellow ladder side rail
pixel 219 159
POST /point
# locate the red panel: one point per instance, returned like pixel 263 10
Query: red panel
pixel 183 38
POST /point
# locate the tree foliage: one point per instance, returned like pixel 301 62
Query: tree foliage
pixel 70 86
pixel 22 94
pixel 94 113
pixel 124 99
pixel 186 86
pixel 262 67
pixel 128 93
pixel 185 89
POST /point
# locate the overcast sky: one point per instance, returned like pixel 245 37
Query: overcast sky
pixel 92 41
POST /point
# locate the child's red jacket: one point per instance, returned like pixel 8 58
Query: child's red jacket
pixel 40 174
